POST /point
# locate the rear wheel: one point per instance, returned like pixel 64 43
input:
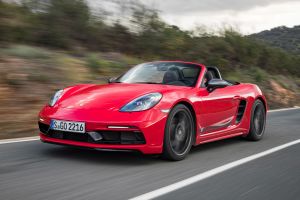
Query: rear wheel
pixel 179 133
pixel 258 121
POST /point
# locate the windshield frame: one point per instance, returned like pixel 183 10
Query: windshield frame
pixel 185 64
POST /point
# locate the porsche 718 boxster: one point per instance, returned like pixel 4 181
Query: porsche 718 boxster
pixel 162 107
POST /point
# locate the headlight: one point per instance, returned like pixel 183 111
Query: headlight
pixel 144 102
pixel 55 97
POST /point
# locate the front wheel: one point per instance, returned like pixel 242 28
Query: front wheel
pixel 258 121
pixel 179 133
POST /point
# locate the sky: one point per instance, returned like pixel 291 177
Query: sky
pixel 248 16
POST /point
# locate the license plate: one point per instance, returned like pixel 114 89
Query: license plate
pixel 69 126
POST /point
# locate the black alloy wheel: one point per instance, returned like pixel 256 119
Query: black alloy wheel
pixel 179 133
pixel 258 121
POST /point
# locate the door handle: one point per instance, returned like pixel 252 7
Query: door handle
pixel 236 97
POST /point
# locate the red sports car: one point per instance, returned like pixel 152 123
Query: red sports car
pixel 163 107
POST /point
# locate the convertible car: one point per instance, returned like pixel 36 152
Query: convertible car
pixel 163 107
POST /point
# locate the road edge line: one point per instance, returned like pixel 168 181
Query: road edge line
pixel 23 139
pixel 284 109
pixel 199 177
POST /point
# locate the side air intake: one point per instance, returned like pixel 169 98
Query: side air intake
pixel 241 111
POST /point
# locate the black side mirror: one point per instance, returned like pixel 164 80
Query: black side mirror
pixel 112 80
pixel 216 83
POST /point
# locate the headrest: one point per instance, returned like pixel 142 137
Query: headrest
pixel 171 75
pixel 209 76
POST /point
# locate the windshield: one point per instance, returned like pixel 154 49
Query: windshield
pixel 168 73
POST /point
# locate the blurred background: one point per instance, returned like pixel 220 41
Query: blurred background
pixel 47 45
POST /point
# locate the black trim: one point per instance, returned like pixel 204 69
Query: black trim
pixel 241 111
pixel 90 148
pixel 218 125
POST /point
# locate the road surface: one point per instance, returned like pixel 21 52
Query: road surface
pixel 33 170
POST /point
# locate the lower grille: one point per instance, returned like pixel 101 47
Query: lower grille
pixel 107 137
pixel 43 127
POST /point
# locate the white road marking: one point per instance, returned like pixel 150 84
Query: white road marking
pixel 284 109
pixel 26 139
pixel 14 140
pixel 199 177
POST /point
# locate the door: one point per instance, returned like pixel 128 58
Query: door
pixel 217 109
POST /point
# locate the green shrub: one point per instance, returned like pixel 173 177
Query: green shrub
pixel 27 52
pixel 258 74
pixel 93 63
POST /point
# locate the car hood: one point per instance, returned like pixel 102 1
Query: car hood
pixel 109 96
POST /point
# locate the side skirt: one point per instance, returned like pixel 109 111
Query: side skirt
pixel 221 138
pixel 232 131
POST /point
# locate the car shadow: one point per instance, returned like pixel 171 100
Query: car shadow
pixel 217 144
pixel 98 156
pixel 124 158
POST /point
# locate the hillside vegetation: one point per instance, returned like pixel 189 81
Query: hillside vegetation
pixel 282 37
pixel 50 45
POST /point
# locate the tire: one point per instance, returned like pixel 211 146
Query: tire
pixel 258 121
pixel 179 133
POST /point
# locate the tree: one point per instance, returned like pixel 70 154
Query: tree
pixel 64 23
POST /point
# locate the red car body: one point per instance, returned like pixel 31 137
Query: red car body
pixel 99 106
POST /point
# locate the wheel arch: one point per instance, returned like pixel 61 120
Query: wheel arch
pixel 263 100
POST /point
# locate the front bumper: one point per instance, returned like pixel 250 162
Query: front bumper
pixel 145 148
pixel 148 125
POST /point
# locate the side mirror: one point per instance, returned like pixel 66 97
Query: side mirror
pixel 112 80
pixel 216 83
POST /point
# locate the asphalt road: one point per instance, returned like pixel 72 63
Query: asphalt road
pixel 34 170
pixel 276 176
